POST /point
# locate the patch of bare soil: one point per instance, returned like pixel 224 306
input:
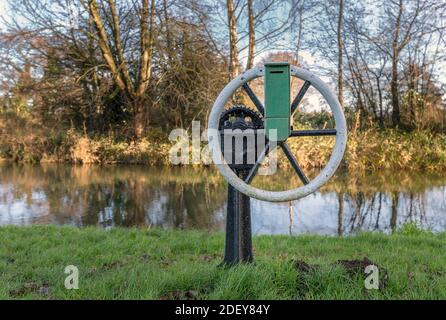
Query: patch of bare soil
pixel 112 265
pixel 31 287
pixel 353 268
pixel 304 267
pixel 180 295
pixel 209 257
pixel 358 267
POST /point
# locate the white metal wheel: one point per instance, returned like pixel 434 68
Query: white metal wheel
pixel 309 186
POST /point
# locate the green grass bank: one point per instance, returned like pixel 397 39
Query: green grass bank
pixel 158 264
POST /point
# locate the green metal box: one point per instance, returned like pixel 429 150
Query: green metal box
pixel 277 99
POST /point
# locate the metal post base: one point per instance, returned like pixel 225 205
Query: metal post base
pixel 238 242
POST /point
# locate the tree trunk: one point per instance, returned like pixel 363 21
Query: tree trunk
pixel 252 39
pixel 394 84
pixel 168 34
pixel 105 48
pixel 340 85
pixel 394 92
pixel 233 54
pixel 138 118
pixel 146 41
pixel 145 68
pixel 299 36
pixel 133 90
pixel 118 47
pixel 380 97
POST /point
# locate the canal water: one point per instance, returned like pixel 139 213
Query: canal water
pixel 190 198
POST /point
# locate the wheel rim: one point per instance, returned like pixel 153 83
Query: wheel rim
pixel 292 194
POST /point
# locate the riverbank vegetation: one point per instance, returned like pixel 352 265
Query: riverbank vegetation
pixel 368 150
pixel 159 264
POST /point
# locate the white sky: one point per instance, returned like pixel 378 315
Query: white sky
pixel 3 6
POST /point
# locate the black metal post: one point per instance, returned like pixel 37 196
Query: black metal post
pixel 245 233
pixel 238 242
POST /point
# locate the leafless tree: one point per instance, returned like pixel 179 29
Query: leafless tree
pixel 252 38
pixel 401 24
pixel 134 90
pixel 340 52
pixel 232 27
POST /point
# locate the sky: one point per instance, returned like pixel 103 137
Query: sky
pixel 2 10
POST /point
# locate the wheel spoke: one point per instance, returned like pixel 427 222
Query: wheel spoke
pixel 313 133
pixel 292 159
pixel 254 169
pixel 254 98
pixel 300 96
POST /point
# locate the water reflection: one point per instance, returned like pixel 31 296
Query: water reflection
pixel 108 196
pixel 188 198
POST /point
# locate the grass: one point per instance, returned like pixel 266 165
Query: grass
pixel 158 264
